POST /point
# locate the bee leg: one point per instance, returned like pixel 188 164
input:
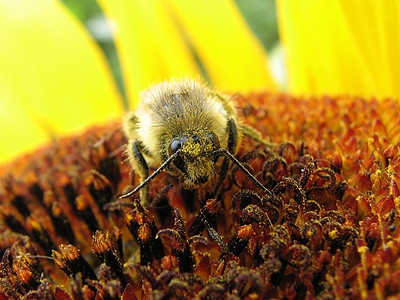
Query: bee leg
pixel 232 144
pixel 142 168
pixel 255 135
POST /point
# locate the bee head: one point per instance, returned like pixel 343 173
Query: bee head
pixel 195 161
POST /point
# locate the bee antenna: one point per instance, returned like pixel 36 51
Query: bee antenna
pixel 226 153
pixel 151 177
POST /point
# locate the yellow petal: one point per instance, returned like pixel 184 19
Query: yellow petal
pixel 339 47
pixel 149 45
pixel 232 56
pixel 19 132
pixel 53 69
pixel 375 25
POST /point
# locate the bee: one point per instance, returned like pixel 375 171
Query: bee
pixel 183 127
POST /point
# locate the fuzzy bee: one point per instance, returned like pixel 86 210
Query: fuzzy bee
pixel 183 127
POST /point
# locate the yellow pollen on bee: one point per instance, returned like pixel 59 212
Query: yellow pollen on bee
pixel 196 149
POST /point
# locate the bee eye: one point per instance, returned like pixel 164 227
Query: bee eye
pixel 179 163
pixel 214 138
pixel 174 146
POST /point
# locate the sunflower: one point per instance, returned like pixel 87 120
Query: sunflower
pixel 334 208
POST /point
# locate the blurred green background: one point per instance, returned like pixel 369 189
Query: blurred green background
pixel 259 14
